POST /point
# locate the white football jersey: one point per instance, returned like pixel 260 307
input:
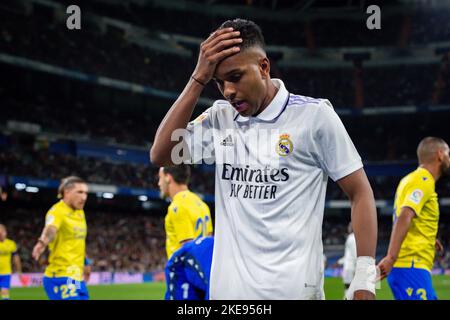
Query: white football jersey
pixel 271 180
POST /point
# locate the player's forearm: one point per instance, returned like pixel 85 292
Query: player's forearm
pixel 399 233
pixel 17 264
pixel 176 118
pixel 364 213
pixel 48 234
pixel 364 222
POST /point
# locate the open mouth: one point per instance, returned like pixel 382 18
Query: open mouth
pixel 240 106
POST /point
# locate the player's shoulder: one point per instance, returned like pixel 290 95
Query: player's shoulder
pixel 419 177
pixel 194 197
pixel 297 101
pixel 220 109
pixel 319 111
pixel 418 180
pixel 177 205
pixel 58 208
pixel 223 109
pixel 10 242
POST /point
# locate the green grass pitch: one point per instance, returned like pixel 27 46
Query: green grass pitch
pixel 155 291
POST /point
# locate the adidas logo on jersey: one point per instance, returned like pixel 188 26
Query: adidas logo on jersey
pixel 228 141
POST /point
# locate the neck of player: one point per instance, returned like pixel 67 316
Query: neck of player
pixel 271 93
pixel 175 188
pixel 432 168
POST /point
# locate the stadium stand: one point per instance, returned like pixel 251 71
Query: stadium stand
pixel 46 118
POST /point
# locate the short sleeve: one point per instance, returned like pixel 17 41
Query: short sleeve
pixel 199 138
pixel 53 218
pixel 181 223
pixel 416 195
pixel 337 154
pixel 14 248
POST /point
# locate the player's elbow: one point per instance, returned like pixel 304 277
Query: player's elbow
pixel 157 157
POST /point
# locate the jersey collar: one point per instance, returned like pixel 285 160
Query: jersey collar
pixel 275 107
pixel 180 194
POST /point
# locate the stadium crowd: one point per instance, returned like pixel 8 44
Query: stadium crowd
pixel 101 54
pixel 31 159
pixel 115 242
pixel 28 161
pixel 121 242
pixel 425 24
pixel 129 242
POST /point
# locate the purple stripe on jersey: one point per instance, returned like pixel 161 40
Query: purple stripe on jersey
pixel 302 99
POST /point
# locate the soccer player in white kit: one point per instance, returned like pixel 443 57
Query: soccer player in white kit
pixel 273 152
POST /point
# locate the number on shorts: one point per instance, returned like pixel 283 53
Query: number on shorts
pixel 185 287
pixel 68 291
pixel 422 293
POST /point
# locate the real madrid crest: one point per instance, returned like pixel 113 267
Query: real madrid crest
pixel 284 145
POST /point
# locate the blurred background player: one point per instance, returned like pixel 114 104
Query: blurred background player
pixel 188 218
pixel 410 256
pixel 348 261
pixel 65 234
pixel 8 252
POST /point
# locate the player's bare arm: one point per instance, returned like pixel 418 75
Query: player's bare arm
pixel 439 247
pixel 48 234
pixel 399 232
pixel 364 218
pixel 17 264
pixel 219 45
pixel 87 270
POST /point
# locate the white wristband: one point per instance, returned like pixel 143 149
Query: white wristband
pixel 365 277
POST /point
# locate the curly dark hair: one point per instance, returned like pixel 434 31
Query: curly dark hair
pixel 251 33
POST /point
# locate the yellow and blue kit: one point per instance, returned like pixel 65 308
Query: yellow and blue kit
pixel 410 278
pixel 8 248
pixel 63 277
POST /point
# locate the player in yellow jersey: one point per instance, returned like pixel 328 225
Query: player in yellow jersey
pixel 410 256
pixel 187 219
pixel 8 254
pixel 65 235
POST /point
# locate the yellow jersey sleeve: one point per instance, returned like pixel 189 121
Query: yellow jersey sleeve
pixel 182 223
pixel 54 217
pixel 416 194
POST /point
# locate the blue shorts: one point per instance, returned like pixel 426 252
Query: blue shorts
pixel 411 284
pixel 64 288
pixel 5 281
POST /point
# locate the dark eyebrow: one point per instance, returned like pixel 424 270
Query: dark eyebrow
pixel 228 73
pixel 232 71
